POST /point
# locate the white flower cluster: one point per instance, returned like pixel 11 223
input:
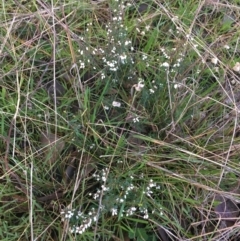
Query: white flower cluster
pixel 136 119
pixel 118 44
pixel 125 192
pixel 144 211
pixel 102 176
pixel 85 220
pixel 67 214
pixel 178 61
pixel 149 188
pixel 131 211
pixel 112 64
pixel 165 54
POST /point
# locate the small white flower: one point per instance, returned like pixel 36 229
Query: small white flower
pixel 69 214
pixel 147 27
pixel 104 178
pixel 214 60
pixel 179 60
pixel 175 18
pixel 145 216
pixel 127 42
pixel 123 58
pixel 226 46
pixel 82 65
pixel 92 146
pixel 135 120
pixel 133 209
pixel 95 196
pixel 152 184
pixel 130 187
pixel 165 64
pixel 176 65
pixel 102 76
pixel 144 57
pixel 151 91
pixel 110 64
pixel 104 188
pixel 176 86
pixel 114 211
pixel 113 50
pixel 166 56
pixel 116 104
pixel 106 107
pixel 114 69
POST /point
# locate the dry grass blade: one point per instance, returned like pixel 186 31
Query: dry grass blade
pixel 52 146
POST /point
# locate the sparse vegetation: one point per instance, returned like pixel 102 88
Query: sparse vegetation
pixel 119 120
